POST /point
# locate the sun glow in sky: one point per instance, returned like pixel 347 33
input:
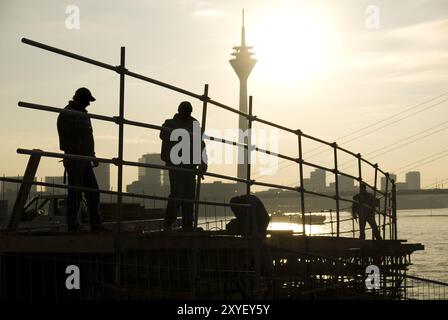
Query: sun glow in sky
pixel 292 43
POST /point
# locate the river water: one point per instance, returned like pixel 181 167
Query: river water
pixel 425 226
pixel 429 227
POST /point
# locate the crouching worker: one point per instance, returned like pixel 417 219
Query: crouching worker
pixel 243 222
pixel 242 225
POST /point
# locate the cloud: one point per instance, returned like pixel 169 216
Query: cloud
pixel 136 141
pixel 424 35
pixel 420 37
pixel 412 54
pixel 209 13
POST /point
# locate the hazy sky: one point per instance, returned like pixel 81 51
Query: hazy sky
pixel 321 68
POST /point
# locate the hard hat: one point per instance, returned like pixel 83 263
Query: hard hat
pixel 83 94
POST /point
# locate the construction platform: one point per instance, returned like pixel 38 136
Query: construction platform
pixel 208 264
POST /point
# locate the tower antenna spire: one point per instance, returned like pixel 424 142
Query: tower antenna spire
pixel 243 33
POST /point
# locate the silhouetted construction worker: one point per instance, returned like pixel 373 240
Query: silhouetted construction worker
pixel 365 211
pixel 76 137
pixel 242 225
pixel 243 222
pixel 184 148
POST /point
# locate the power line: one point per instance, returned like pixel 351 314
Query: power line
pixel 416 163
pixel 435 183
pixel 402 145
pixel 425 163
pixel 392 144
pixel 386 125
pixel 376 123
pixel 396 172
pixel 423 159
pixel 388 118
pixel 395 115
pixel 411 136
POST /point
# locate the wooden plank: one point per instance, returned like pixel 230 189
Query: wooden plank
pixel 56 244
pixel 24 191
pixel 88 242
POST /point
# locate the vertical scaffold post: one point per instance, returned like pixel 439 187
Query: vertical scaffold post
pixel 195 249
pixel 394 210
pixel 253 214
pixel 375 185
pixel 117 230
pixel 360 181
pixel 3 188
pixel 198 178
pixel 249 147
pixel 248 167
pixel 386 198
pixel 120 138
pixel 336 184
pixel 302 187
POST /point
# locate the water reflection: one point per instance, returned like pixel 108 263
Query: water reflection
pixel 328 227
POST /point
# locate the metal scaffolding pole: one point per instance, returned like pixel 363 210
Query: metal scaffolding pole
pixel 302 187
pixel 386 197
pixel 374 197
pixel 119 163
pixel 358 156
pixel 394 210
pixel 198 177
pixel 336 184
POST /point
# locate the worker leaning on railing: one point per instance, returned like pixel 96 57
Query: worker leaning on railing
pixel 76 137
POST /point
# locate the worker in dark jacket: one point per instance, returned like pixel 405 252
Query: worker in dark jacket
pixel 76 138
pixel 364 209
pixel 183 148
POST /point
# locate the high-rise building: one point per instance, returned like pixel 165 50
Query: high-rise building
pixel 150 176
pixel 54 180
pixel 346 184
pixel 150 181
pixel 413 180
pixel 102 174
pixel 317 181
pixel 243 64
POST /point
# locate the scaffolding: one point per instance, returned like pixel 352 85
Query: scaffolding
pixel 207 263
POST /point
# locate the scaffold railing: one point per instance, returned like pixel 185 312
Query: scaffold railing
pixel 386 215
